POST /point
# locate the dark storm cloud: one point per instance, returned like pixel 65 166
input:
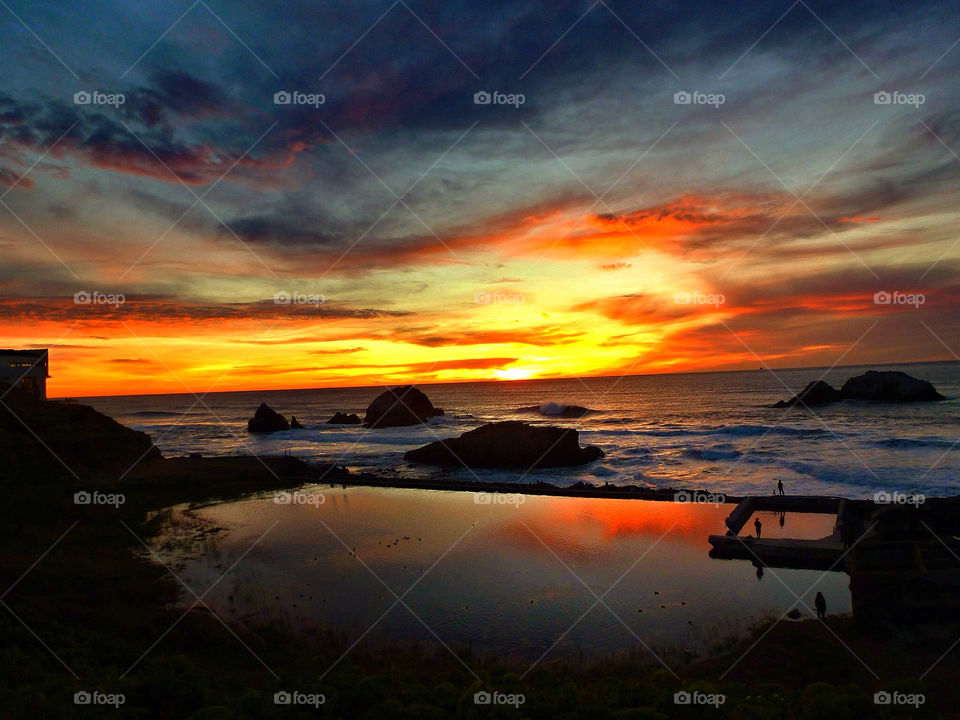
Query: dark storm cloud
pixel 402 94
pixel 290 231
pixel 146 309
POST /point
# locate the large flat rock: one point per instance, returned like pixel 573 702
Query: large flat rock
pixel 510 444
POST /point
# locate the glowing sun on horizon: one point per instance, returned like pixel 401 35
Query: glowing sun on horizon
pixel 513 374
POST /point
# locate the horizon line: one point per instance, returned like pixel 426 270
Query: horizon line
pixel 526 380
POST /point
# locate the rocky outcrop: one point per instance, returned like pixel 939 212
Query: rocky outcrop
pixel 294 423
pixel 510 444
pixel 889 386
pixel 400 406
pixel 45 441
pixel 267 420
pixel 340 418
pixel 815 393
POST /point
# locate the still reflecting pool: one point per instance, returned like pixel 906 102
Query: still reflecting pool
pixel 513 575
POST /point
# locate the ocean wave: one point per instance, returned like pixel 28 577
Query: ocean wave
pixel 724 451
pixel 908 443
pixel 155 413
pixel 554 409
pixel 737 430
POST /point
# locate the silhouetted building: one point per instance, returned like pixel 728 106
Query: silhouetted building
pixel 26 369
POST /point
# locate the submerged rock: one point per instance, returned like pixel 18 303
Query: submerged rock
pixel 404 405
pixel 294 425
pixel 267 420
pixel 340 418
pixel 889 386
pixel 815 393
pixel 510 444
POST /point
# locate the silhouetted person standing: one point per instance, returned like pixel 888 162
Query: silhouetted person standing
pixel 820 603
pixel 780 487
pixel 757 525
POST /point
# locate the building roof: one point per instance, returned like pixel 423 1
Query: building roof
pixel 25 353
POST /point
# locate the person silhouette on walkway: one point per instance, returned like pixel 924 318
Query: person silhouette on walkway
pixel 820 603
pixel 757 524
pixel 780 487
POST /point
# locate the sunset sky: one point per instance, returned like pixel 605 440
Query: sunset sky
pixel 601 227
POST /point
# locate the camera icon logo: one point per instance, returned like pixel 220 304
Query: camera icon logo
pixel 282 498
pixel 882 698
pixel 883 498
pixel 882 298
pixel 481 498
pixel 681 97
pixel 482 698
pixel 81 297
pixel 281 298
pixel 482 97
pixel 682 698
pixel 882 98
pixel 82 97
pixel 82 698
pixel 282 97
pixel 82 498
pixel 681 298
pixel 282 698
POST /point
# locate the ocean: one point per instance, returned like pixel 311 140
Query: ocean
pixel 715 431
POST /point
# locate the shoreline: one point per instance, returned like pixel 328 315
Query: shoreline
pixel 577 490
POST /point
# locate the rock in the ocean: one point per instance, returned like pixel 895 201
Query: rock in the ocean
pixel 267 420
pixel 340 418
pixel 815 393
pixel 400 406
pixel 294 424
pixel 510 444
pixel 889 386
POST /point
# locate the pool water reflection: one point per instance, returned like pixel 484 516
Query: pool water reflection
pixel 507 578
